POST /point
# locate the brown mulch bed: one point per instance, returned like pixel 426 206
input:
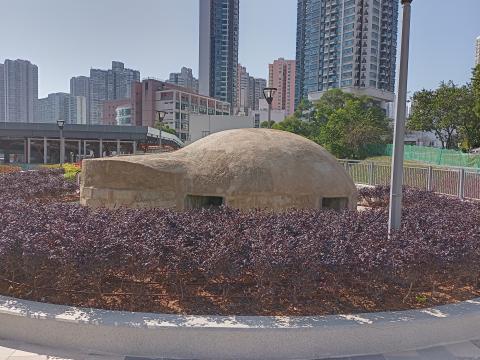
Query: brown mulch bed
pixel 210 299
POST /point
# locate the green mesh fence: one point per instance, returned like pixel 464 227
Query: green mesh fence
pixel 430 155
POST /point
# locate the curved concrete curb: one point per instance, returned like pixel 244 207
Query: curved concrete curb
pixel 214 337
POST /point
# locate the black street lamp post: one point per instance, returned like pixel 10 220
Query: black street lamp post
pixel 61 125
pixel 269 93
pixel 160 117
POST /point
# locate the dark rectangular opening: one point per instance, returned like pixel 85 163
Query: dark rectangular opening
pixel 335 203
pixel 201 202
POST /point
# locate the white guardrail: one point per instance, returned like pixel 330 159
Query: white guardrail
pixel 461 182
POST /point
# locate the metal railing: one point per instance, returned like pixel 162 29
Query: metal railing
pixel 461 182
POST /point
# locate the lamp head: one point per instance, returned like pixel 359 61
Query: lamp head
pixel 61 124
pixel 161 115
pixel 269 93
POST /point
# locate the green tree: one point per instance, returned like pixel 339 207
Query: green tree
pixel 165 128
pixel 353 126
pixel 294 125
pixel 344 123
pixel 476 89
pixel 447 112
pixel 469 130
pixel 304 110
pixel 264 124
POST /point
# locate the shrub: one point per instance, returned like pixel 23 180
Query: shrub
pixel 70 170
pixel 34 184
pixel 8 169
pixel 68 253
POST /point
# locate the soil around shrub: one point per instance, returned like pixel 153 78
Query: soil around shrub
pixel 225 262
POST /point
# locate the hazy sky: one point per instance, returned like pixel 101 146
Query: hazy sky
pixel 66 38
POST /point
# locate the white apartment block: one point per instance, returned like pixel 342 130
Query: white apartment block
pixel 18 91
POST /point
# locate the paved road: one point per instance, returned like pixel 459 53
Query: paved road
pixel 19 351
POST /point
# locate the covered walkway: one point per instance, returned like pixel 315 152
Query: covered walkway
pixel 24 143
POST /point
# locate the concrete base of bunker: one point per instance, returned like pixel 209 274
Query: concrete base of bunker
pixel 242 169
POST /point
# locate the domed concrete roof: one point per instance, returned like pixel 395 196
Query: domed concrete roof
pixel 244 168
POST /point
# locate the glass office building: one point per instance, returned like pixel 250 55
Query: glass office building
pixel 219 25
pixel 348 44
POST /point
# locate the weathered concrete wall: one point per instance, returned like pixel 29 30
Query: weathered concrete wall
pixel 249 168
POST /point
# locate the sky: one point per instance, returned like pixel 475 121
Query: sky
pixel 66 38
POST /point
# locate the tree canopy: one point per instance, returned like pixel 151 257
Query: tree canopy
pixel 165 128
pixel 448 112
pixel 476 89
pixel 343 123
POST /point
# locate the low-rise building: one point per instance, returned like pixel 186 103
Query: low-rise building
pixel 261 115
pixel 151 96
pixel 110 110
pixel 180 105
pixel 422 138
pixel 204 125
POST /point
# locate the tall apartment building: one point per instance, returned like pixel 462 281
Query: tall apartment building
pixel 243 84
pixel 104 85
pixel 80 86
pixel 185 79
pixel 61 106
pixel 77 110
pixel 348 44
pixel 257 92
pixel 282 76
pixel 249 91
pixel 52 108
pixel 18 91
pixel 120 81
pixel 98 94
pixel 219 27
pixel 477 53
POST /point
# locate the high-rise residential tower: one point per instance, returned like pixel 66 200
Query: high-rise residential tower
pixel 243 86
pixel 80 86
pixel 185 79
pixel 348 44
pixel 52 108
pixel 477 52
pixel 219 26
pixel 282 77
pixel 61 106
pixel 257 92
pixel 98 94
pixel 18 91
pixel 113 84
pixel 249 91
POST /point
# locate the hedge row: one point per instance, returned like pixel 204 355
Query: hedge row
pixel 69 252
